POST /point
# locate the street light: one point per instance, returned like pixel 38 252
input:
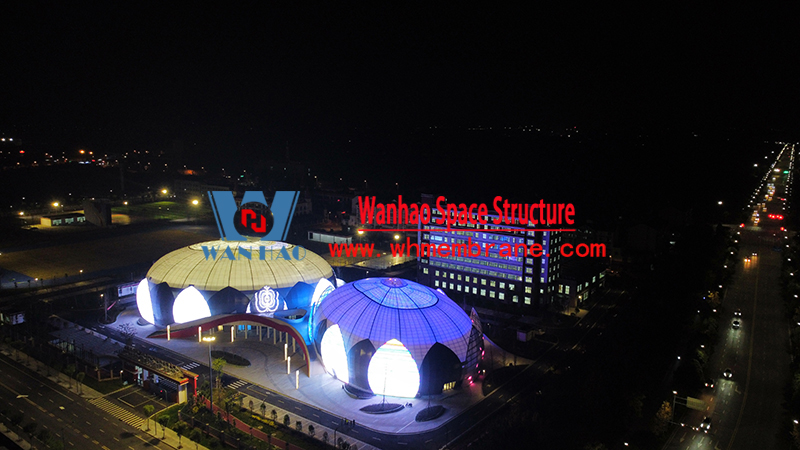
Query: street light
pixel 674 396
pixel 210 339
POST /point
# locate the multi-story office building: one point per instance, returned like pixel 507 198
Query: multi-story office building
pixel 496 276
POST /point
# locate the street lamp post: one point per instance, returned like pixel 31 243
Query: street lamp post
pixel 210 339
pixel 674 396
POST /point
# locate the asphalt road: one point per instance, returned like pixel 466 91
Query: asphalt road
pixel 67 416
pixel 746 410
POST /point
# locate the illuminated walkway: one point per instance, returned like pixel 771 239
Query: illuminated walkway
pixel 268 370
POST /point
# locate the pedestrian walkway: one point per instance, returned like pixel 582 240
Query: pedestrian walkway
pixel 237 384
pixel 170 437
pixel 332 429
pixel 190 366
pixel 23 444
pixel 117 411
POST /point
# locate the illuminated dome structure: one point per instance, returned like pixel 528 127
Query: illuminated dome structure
pixel 220 277
pixel 395 337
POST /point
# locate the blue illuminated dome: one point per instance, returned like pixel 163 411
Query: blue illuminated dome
pixel 395 337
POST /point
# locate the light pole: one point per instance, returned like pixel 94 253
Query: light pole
pixel 210 339
pixel 674 396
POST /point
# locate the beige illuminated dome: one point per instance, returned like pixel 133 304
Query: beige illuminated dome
pixel 274 264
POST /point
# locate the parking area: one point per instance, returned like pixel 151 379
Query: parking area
pixel 135 398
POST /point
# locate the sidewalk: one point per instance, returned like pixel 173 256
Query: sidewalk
pixel 56 377
pixel 319 429
pixel 25 445
pixel 171 437
pixel 85 392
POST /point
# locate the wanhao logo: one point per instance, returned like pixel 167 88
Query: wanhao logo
pixel 273 228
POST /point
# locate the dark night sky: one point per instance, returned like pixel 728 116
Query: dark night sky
pixel 238 83
pixel 152 72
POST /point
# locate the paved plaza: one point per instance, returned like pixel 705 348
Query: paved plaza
pixel 268 369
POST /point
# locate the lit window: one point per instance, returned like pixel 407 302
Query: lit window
pixel 190 305
pixel 334 356
pixel 144 302
pixel 392 371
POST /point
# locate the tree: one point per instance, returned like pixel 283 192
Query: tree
pixel 263 409
pixel 299 426
pixel 218 364
pixel 148 410
pixel 595 446
pixel 180 429
pixel 635 406
pixel 163 420
pixel 311 430
pixel 662 419
pixel 69 370
pixel 128 332
pixel 79 378
pixel 250 404
pixel 30 428
pixel 286 420
pixel 274 415
pixel 796 436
